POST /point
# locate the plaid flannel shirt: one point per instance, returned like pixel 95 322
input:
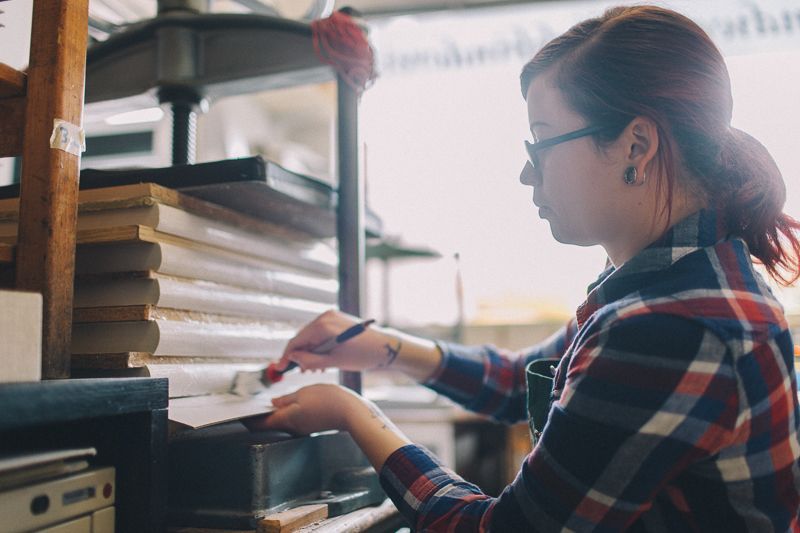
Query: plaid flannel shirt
pixel 674 406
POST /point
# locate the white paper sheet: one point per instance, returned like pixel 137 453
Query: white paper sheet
pixel 202 411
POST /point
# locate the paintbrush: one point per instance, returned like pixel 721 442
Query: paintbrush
pixel 255 381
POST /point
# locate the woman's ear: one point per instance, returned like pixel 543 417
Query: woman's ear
pixel 641 143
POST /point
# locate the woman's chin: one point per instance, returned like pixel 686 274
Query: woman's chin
pixel 566 237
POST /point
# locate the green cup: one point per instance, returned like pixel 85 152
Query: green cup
pixel 539 378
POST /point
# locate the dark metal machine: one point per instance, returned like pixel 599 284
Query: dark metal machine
pixel 227 477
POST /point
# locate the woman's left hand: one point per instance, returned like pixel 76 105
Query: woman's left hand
pixel 314 408
pixel 323 407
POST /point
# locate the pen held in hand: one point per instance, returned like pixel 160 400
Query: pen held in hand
pixel 274 375
pixel 248 383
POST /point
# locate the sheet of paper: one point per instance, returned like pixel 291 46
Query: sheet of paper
pixel 26 460
pixel 202 411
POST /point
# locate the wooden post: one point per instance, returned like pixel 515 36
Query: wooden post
pixel 49 183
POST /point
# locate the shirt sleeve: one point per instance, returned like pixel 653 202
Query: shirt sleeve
pixel 490 381
pixel 643 400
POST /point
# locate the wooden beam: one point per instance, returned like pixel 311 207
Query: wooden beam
pixel 49 182
pixel 12 126
pixel 12 82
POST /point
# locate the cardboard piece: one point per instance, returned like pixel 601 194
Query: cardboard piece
pixel 21 331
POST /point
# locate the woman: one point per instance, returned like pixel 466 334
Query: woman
pixel 674 405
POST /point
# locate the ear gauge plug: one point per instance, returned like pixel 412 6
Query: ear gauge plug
pixel 631 175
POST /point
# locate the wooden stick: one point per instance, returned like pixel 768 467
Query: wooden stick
pixel 49 184
pixel 293 519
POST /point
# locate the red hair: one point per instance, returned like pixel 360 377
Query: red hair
pixel 653 62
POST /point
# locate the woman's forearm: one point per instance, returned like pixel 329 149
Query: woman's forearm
pixel 375 434
pixel 417 357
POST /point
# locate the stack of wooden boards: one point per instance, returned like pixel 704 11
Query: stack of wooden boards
pixel 164 277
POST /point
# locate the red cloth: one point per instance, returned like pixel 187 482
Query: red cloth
pixel 340 42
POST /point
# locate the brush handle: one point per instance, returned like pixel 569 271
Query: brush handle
pixel 273 375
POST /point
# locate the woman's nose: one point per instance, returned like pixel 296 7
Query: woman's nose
pixel 528 176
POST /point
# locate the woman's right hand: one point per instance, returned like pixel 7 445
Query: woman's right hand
pixel 364 351
pixel 376 347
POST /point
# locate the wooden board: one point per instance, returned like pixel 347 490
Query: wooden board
pixel 12 81
pixel 293 519
pixel 125 234
pixel 115 361
pixel 152 312
pixel 115 314
pixel 248 185
pixel 133 234
pixel 145 194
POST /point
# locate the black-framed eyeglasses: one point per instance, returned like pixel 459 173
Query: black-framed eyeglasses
pixel 534 148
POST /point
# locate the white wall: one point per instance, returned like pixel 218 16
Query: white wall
pixel 444 126
pixel 15 33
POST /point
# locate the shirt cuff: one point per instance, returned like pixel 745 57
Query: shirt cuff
pixel 445 353
pixel 462 373
pixel 432 497
pixel 408 476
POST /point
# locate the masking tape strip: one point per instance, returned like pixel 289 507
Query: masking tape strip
pixel 67 137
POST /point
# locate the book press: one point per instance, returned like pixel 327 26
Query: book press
pixel 221 475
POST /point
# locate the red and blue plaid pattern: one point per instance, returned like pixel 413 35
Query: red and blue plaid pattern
pixel 674 408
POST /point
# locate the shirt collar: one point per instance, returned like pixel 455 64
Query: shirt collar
pixel 699 230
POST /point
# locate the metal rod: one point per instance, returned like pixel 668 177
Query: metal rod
pixel 385 297
pixel 351 212
pixel 184 128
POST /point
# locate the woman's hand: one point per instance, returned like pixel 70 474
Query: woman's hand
pixel 324 407
pixel 314 408
pixel 376 347
pixel 362 352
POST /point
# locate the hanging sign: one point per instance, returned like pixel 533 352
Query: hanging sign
pixel 512 34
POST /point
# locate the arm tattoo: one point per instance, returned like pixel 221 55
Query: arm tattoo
pixel 378 415
pixel 391 353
